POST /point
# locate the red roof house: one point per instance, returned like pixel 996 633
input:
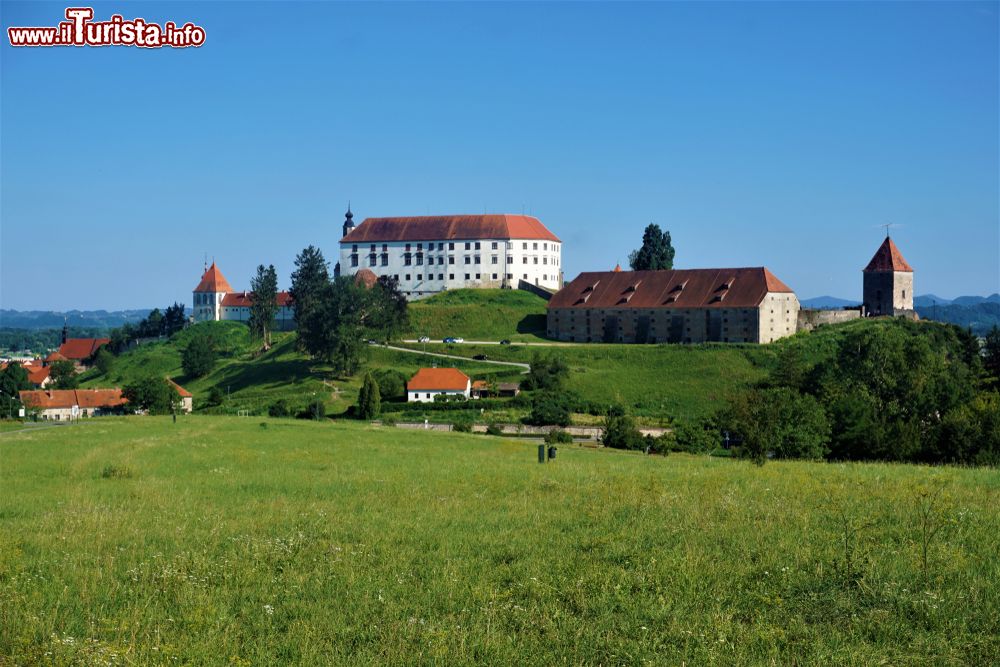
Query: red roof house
pixel 81 349
pixel 213 281
pixel 430 382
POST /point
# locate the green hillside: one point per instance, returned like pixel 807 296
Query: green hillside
pixel 253 381
pixel 479 314
pixel 233 541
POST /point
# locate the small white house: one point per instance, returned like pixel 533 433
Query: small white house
pixel 430 382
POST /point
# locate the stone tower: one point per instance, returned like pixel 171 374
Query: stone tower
pixel 888 282
pixel 209 293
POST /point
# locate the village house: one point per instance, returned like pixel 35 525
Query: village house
pixel 484 389
pixel 68 404
pixel 187 398
pixel 80 351
pixel 742 305
pixel 431 382
pixel 430 254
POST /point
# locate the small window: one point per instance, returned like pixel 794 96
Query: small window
pixel 477 245
pixel 493 245
pixel 468 260
pixel 495 260
pixel 467 276
pixel 451 276
pixel 451 246
pixel 407 276
pixel 451 260
pixel 468 246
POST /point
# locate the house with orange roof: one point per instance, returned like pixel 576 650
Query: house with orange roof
pixel 888 283
pixel 429 383
pixel 187 398
pixel 69 404
pixel 433 253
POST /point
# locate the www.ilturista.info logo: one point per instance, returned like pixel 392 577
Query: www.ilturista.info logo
pixel 80 30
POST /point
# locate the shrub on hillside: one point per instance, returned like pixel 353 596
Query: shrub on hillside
pixel 280 408
pixel 494 429
pixel 558 437
pixel 550 408
pixel 316 410
pixel 547 372
pixel 104 361
pixel 198 358
pixel 778 422
pixel 695 437
pixel 369 399
pixel 620 431
pixel 215 397
pixel 153 394
pixel 391 384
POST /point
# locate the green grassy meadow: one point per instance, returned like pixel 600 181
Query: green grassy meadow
pixel 228 541
pixel 479 314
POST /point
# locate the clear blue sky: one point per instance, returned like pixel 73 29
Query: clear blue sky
pixel 758 134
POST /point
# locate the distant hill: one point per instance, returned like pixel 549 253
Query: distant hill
pixel 933 299
pixel 52 319
pixel 828 303
pixel 930 300
pixel 980 317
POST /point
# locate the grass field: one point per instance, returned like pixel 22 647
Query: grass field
pixel 227 541
pixel 479 314
pixel 652 381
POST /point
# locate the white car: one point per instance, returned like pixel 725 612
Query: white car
pixel 424 339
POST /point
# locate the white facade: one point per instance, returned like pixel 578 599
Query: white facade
pixel 427 395
pixel 428 267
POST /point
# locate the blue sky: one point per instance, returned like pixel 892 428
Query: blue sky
pixel 759 134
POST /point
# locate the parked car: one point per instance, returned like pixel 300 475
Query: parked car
pixel 480 357
pixel 424 339
pixel 449 339
pixel 505 342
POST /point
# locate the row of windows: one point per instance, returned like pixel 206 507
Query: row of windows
pixel 408 260
pixel 494 245
pixel 468 276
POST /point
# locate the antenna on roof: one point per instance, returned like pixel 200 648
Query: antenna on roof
pixel 888 225
pixel 206 261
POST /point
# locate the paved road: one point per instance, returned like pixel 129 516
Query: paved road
pixel 495 342
pixel 524 367
pixel 40 427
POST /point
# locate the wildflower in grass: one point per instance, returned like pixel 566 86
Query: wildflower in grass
pixel 269 610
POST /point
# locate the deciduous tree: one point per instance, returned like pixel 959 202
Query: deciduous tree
pixel 656 252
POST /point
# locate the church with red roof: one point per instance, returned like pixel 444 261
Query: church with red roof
pixel 215 299
pixel 433 253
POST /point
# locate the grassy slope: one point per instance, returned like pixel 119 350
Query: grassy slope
pixel 254 382
pixel 479 314
pixel 306 543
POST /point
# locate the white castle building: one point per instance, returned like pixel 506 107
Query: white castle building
pixel 430 254
pixel 215 299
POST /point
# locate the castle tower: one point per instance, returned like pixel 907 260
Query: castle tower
pixel 348 221
pixel 888 282
pixel 209 293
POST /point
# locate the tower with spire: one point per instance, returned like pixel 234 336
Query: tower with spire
pixel 208 295
pixel 348 221
pixel 888 282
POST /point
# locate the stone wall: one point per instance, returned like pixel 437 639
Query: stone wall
pixel 810 318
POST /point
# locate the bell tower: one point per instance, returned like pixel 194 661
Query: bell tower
pixel 348 221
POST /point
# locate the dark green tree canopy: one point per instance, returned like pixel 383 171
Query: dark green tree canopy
pixel 309 280
pixel 264 286
pixel 369 399
pixel 151 393
pixel 198 358
pixel 656 252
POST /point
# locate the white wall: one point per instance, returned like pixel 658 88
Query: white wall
pixel 537 262
pixel 425 396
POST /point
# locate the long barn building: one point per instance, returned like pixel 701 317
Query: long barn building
pixel 745 305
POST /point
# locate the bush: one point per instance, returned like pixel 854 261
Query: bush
pixel 779 422
pixel 116 472
pixel 547 373
pixel 369 399
pixel 198 358
pixel 316 410
pixel 558 437
pixel 494 429
pixel 215 397
pixel 462 426
pixel 695 437
pixel 550 408
pixel 620 431
pixel 151 393
pixel 391 384
pixel 279 408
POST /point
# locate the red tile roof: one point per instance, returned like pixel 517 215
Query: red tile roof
pixel 887 258
pixel 181 391
pixel 37 374
pixel 365 277
pixel 449 227
pixel 678 288
pixel 438 379
pixel 78 349
pixel 66 398
pixel 245 299
pixel 55 356
pixel 213 281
